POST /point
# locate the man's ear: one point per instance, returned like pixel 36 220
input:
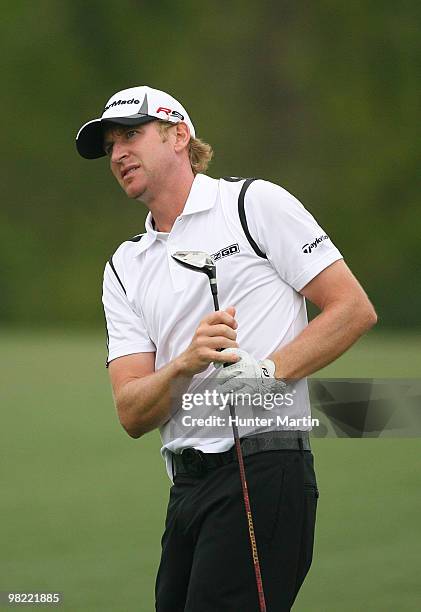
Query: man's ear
pixel 182 136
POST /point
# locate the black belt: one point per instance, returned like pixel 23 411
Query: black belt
pixel 196 463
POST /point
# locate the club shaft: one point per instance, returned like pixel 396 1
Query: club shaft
pixel 246 499
pixel 250 524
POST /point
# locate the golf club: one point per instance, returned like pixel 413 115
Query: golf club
pixel 200 261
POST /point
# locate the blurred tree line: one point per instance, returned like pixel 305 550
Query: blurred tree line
pixel 320 97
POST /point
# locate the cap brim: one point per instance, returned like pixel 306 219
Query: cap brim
pixel 90 138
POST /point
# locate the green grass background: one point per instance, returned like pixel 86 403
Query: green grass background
pixel 83 505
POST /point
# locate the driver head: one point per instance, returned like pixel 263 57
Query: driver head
pixel 196 260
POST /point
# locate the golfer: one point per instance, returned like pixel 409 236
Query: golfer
pixel 165 341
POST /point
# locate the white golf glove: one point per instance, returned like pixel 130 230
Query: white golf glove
pixel 248 375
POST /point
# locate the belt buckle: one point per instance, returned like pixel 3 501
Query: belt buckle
pixel 194 461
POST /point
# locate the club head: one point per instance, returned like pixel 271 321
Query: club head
pixel 196 260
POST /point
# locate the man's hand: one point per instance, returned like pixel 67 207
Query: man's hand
pixel 215 331
pixel 248 375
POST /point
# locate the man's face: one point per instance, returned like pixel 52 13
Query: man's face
pixel 139 157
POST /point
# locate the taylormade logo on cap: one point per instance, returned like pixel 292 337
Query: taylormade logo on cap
pixel 131 106
pixel 132 101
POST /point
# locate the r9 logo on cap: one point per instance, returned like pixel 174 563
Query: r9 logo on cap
pixel 168 111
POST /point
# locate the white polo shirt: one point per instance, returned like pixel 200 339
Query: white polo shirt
pixel 152 304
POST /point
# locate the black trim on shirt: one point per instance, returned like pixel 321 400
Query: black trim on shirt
pixel 233 179
pixel 243 218
pixel 136 238
pixel 242 212
pixel 107 363
pixel 110 261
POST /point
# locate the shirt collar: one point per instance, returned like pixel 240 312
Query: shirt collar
pixel 202 196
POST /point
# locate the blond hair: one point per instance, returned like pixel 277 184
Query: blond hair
pixel 200 152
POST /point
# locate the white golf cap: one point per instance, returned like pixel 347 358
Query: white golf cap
pixel 130 107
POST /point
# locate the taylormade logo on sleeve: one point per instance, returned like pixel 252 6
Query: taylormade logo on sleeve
pixel 307 248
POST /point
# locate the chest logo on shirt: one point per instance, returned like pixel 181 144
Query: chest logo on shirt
pixel 307 248
pixel 229 250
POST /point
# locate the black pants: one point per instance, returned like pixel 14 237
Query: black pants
pixel 206 563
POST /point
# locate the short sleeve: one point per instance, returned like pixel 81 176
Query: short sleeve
pixel 126 331
pixel 294 243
